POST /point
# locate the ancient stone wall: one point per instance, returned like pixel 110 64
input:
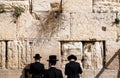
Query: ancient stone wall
pixel 89 29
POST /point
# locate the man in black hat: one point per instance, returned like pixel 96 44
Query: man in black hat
pixel 37 69
pixel 73 68
pixel 53 72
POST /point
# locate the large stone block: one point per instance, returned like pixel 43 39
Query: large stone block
pixel 103 73
pixel 7 26
pixel 112 54
pixel 44 5
pixel 19 54
pixel 46 25
pixel 77 5
pixel 26 28
pixel 106 6
pixel 106 73
pixel 9 5
pixel 14 0
pixel 88 74
pixel 45 48
pixel 9 23
pixel 89 26
pixel 2 55
pixel 69 48
pixel 40 5
pixel 63 32
pixel 11 74
pixel 12 56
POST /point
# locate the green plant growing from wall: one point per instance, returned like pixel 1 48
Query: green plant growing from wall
pixel 117 21
pixel 18 11
pixel 2 10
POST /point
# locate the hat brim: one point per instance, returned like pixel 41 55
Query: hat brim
pixel 72 57
pixel 37 57
pixel 53 60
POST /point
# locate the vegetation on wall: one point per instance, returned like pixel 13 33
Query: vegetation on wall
pixel 49 24
pixel 2 10
pixel 117 21
pixel 18 11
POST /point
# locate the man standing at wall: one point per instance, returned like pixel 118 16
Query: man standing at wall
pixel 37 69
pixel 73 68
pixel 53 72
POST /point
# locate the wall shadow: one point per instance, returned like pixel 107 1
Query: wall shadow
pixel 108 63
pixel 25 72
pixel 22 75
pixel 118 75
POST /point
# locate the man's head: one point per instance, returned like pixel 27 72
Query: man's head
pixel 72 57
pixel 52 59
pixel 37 57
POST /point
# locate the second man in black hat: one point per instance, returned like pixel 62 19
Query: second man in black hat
pixel 53 72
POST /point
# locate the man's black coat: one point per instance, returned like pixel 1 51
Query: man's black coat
pixel 37 70
pixel 73 69
pixel 53 72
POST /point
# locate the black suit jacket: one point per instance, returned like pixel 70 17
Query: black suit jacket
pixel 37 70
pixel 73 69
pixel 53 72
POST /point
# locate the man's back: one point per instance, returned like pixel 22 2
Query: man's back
pixel 73 69
pixel 37 70
pixel 52 72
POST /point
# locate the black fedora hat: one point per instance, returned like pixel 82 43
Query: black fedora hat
pixel 52 58
pixel 72 57
pixel 37 56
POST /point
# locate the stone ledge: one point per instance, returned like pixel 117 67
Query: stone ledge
pixel 11 73
pixel 105 7
pixel 7 5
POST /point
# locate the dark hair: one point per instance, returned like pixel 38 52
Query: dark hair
pixel 72 57
pixel 52 62
pixel 37 58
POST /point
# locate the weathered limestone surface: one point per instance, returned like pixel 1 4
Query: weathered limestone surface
pixel 71 48
pixel 89 26
pixel 63 32
pixel 46 48
pixel 44 5
pixel 112 54
pixel 11 74
pixel 85 28
pixel 2 55
pixel 26 28
pixel 106 6
pixel 17 54
pixel 77 5
pixel 8 28
pixel 91 53
pixel 8 5
pixel 100 74
pixel 41 5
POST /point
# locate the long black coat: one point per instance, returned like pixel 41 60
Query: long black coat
pixel 53 72
pixel 73 69
pixel 37 70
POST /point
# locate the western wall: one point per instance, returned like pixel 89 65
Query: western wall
pixel 89 29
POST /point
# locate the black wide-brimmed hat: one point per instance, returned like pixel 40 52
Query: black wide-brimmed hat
pixel 72 57
pixel 37 56
pixel 52 58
